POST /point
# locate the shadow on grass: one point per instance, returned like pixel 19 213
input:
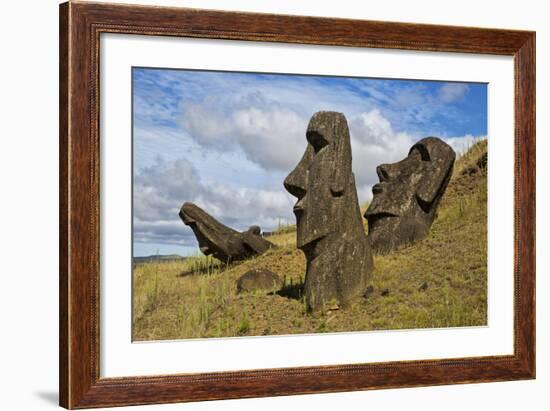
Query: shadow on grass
pixel 292 290
pixel 207 270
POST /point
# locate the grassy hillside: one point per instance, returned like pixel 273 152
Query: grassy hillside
pixel 438 282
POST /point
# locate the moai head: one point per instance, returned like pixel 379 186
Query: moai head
pixel 406 198
pixel 321 178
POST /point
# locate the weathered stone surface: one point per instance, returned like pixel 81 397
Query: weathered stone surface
pixel 405 200
pixel 220 241
pixel 329 225
pixel 259 280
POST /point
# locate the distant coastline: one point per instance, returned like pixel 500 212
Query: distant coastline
pixel 159 258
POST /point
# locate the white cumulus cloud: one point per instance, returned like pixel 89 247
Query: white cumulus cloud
pixel 451 92
pixel 160 191
pixel 268 134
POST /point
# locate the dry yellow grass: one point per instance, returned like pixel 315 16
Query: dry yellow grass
pixel 198 298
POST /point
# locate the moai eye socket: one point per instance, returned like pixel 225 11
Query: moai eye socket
pixel 419 149
pixel 316 140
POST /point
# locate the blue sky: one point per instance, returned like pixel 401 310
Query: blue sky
pixel 227 140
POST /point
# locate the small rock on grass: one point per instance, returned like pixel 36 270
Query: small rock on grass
pixel 254 280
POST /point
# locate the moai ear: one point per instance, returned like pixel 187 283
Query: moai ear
pixel 439 158
pixel 340 157
pixel 431 183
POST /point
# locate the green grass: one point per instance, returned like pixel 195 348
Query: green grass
pixel 197 298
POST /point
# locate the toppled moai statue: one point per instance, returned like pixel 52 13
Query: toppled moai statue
pixel 329 224
pixel 405 201
pixel 220 241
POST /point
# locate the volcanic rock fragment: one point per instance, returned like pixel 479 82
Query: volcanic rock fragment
pixel 254 280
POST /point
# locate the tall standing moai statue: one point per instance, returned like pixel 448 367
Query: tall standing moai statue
pixel 405 201
pixel 329 225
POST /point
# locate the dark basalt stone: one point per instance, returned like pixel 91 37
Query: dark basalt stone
pixel 220 241
pixel 405 200
pixel 329 225
pixel 259 280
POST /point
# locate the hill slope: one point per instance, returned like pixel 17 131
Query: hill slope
pixel 438 282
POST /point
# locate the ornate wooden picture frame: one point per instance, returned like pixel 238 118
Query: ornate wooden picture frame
pixel 81 25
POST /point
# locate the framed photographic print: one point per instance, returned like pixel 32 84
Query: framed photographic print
pixel 258 205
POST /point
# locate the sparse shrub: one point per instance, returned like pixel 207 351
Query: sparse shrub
pixel 152 290
pixel 244 324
